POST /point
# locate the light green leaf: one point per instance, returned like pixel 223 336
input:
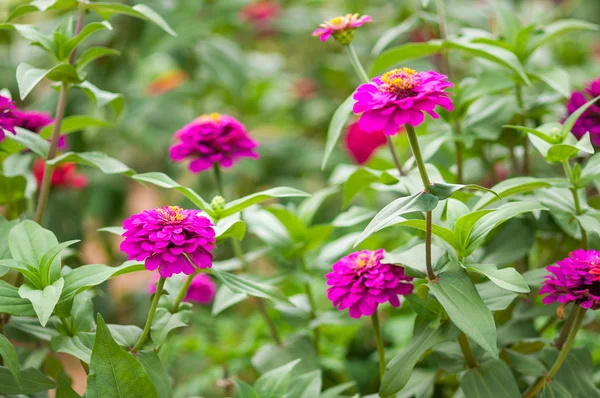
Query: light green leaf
pixel 334 392
pixel 80 345
pixel 12 190
pixel 48 268
pixel 100 160
pixel 338 121
pixel 114 372
pixel 389 215
pixel 28 77
pixel 43 301
pixel 102 98
pixel 570 121
pixel 307 385
pixel 392 34
pixel 413 258
pixel 67 48
pixel 225 298
pixel 164 181
pixel 28 242
pixel 441 232
pixel 506 278
pixel 244 390
pixel 490 379
pixel 164 322
pixel 113 230
pixel 92 54
pixel 9 355
pixel 556 78
pixel 510 187
pixel 353 216
pixel 591 170
pixel 230 227
pixel 141 11
pixel 30 33
pixel 557 29
pixel 309 206
pixel 12 303
pixel 457 294
pixel 406 52
pixel 41 5
pixel 71 124
pixel 274 383
pixel 30 141
pixel 444 191
pixel 238 205
pixel 241 284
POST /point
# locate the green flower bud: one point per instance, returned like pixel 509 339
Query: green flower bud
pixel 218 203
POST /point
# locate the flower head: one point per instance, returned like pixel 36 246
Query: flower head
pixel 342 28
pixel 212 139
pixel 261 14
pixel 589 121
pixel 398 97
pixel 171 239
pixel 362 144
pixel 574 279
pixel 167 82
pixel 202 290
pixel 64 175
pixel 360 282
pixel 8 118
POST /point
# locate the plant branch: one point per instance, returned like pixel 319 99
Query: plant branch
pixel 395 155
pixel 465 347
pixel 146 331
pixel 379 343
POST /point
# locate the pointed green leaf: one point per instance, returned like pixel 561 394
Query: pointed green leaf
pixel 510 187
pixel 28 77
pixel 244 390
pixel 141 11
pixel 441 232
pixel 30 141
pixel 238 205
pixel 92 54
pixel 274 383
pixel 9 355
pixel 32 382
pixel 100 160
pixel 164 322
pixel 50 269
pixel 506 278
pixel 67 48
pixel 43 301
pixel 570 121
pixel 338 121
pixel 490 379
pixel 102 98
pixel 156 371
pixel 242 284
pixel 406 52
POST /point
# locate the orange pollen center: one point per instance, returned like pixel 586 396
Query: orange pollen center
pixel 364 261
pixel 209 117
pixel 171 215
pixel 399 81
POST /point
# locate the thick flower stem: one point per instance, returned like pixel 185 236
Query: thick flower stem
pixel 541 382
pixel 379 342
pixel 218 179
pixel 564 333
pixel 146 331
pixel 576 201
pixel 466 350
pixel 395 155
pixel 184 289
pixel 358 68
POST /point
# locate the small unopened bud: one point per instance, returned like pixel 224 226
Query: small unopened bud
pixel 423 291
pixel 556 135
pixel 218 203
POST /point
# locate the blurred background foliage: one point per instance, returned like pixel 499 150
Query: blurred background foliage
pixel 258 62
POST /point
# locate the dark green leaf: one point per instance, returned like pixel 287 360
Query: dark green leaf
pixel 156 371
pixel 12 303
pixel 490 379
pixel 9 355
pixel 32 382
pixel 92 54
pixel 555 390
pixel 244 390
pixel 527 365
pixel 444 191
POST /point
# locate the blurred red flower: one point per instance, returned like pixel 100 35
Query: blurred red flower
pixel 361 144
pixel 64 175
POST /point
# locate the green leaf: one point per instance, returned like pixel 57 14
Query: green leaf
pixel 309 206
pixel 274 383
pixel 510 187
pixel 490 221
pixel 392 34
pixel 555 390
pixel 30 141
pixel 5 227
pixel 495 54
pixel 441 232
pixel 32 382
pixel 80 345
pixel 48 268
pixel 444 191
pixel 413 258
pixel 353 216
pixel 30 33
pixel 100 160
pixel 292 223
pixel 92 54
pixel 527 365
pixel 406 52
pixel 12 189
pixel 41 5
pixel 164 322
pixel 141 11
pixel 64 389
pixel 360 179
pixel 306 386
pixel 114 372
pixel 43 300
pixel 466 309
pixel 575 374
pixel 113 230
pixel 125 335
pixel 389 215
pixel 338 121
pixel 67 48
pixel 28 242
pixel 556 78
pixel 465 224
pixel 238 205
pixel 230 227
pixel 244 390
pixel 399 369
pixel 570 121
pixel 30 272
pixel 225 298
pixel 591 170
pixel 9 354
pixel 557 29
pixel 241 284
pixel 492 378
pixel 102 98
pixel 12 303
pixel 156 371
pixel 164 181
pixel 87 276
pixel 334 392
pixel 506 278
pixel 71 124
pixel 28 77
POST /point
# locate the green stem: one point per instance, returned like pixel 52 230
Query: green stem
pixel 519 96
pixel 313 308
pixel 395 155
pixel 564 333
pixel 541 382
pixel 183 291
pixel 379 342
pixel 146 331
pixel 576 201
pixel 466 350
pixel 358 68
pixel 218 178
pixel 67 325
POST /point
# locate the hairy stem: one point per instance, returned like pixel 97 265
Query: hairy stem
pixel 146 331
pixel 465 347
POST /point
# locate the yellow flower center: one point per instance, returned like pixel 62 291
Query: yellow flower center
pixel 208 117
pixel 337 21
pixel 364 261
pixel 171 215
pixel 400 81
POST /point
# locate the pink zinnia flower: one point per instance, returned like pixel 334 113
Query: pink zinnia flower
pixel 361 145
pixel 360 282
pixel 261 14
pixel 35 121
pixel 398 97
pixel 589 121
pixel 64 175
pixel 211 139
pixel 342 28
pixel 574 279
pixel 202 290
pixel 171 239
pixel 7 116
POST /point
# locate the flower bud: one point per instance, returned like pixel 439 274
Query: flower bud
pixel 218 203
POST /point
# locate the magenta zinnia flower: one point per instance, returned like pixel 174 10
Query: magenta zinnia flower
pixel 171 239
pixel 202 290
pixel 574 279
pixel 342 28
pixel 35 121
pixel 8 118
pixel 589 121
pixel 362 144
pixel 398 97
pixel 213 139
pixel 360 282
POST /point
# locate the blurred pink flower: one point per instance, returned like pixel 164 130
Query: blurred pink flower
pixel 171 239
pixel 35 121
pixel 202 290
pixel 212 139
pixel 589 121
pixel 574 279
pixel 342 27
pixel 398 97
pixel 8 118
pixel 361 144
pixel 261 14
pixel 360 282
pixel 64 175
